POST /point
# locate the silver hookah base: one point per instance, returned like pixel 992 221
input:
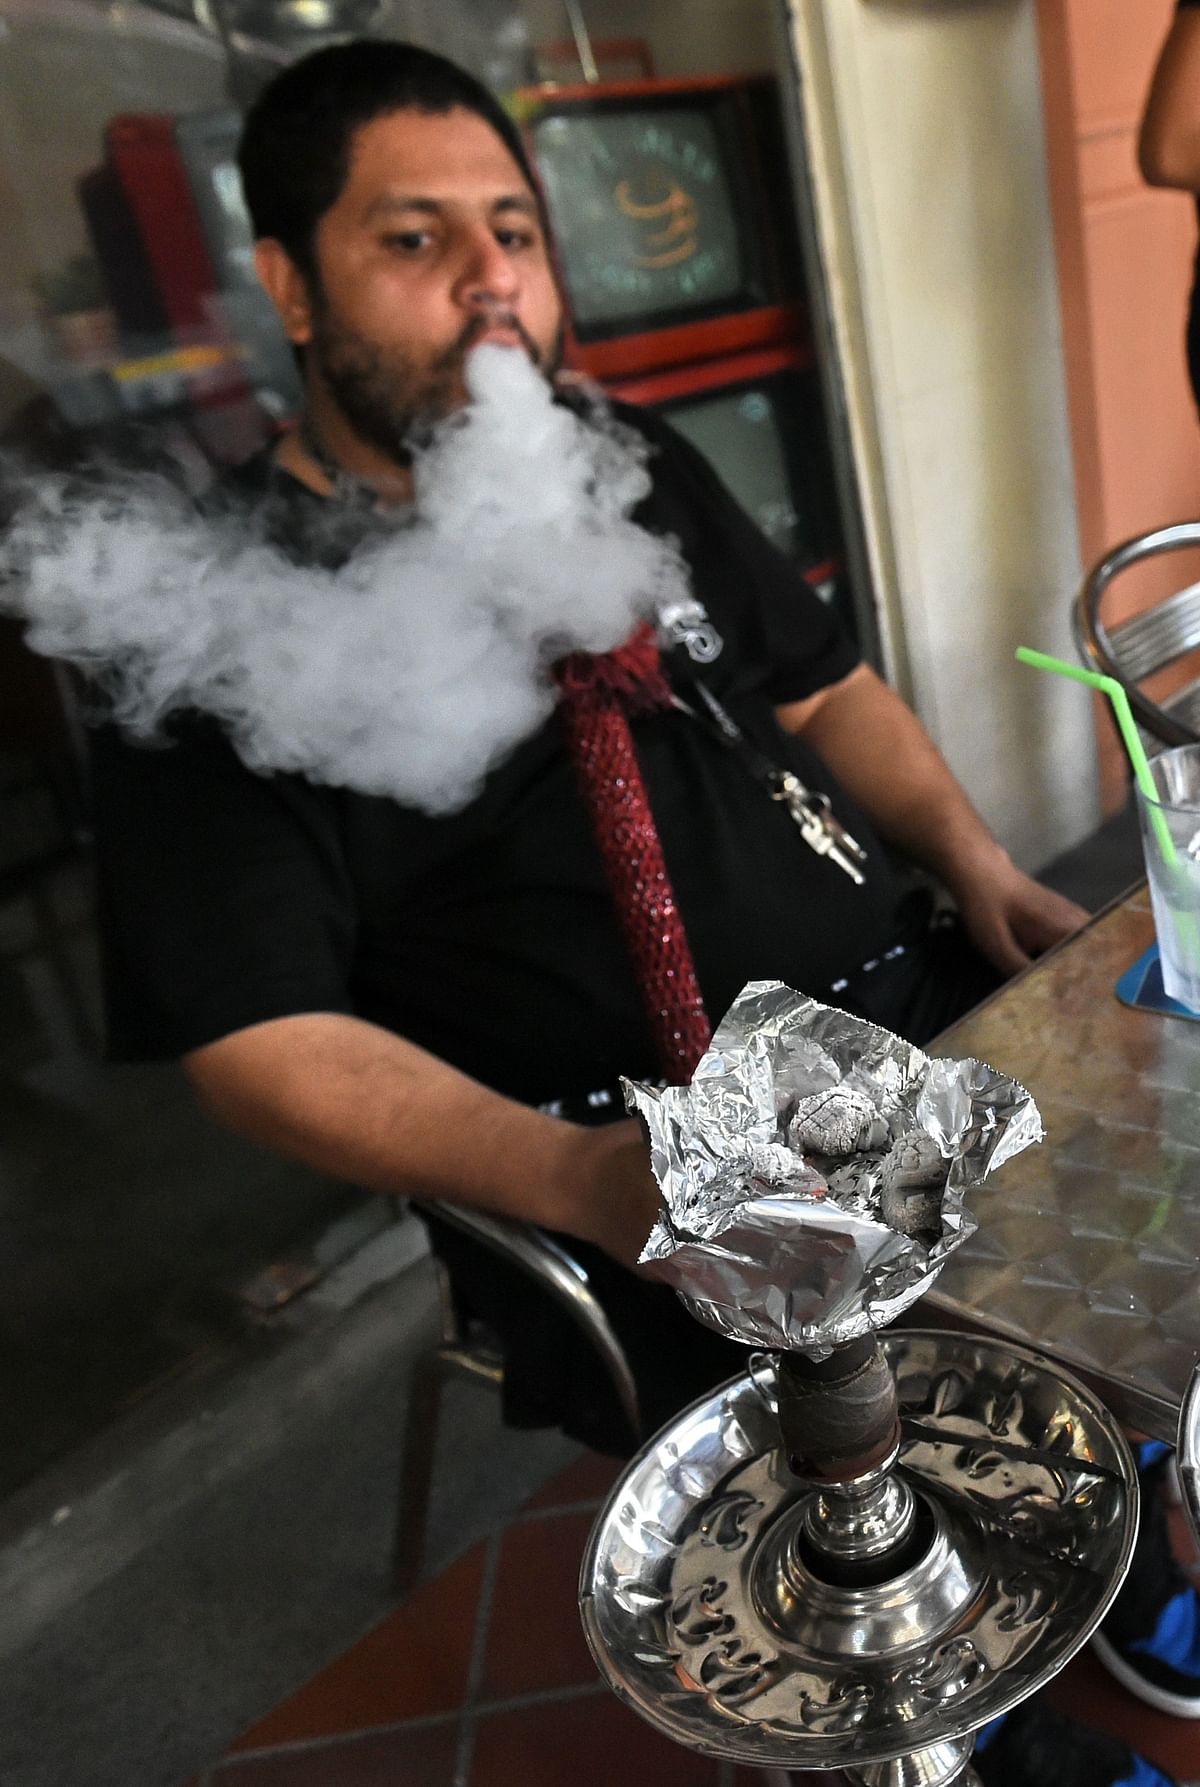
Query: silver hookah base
pixel 709 1610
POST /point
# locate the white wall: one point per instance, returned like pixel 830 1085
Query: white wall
pixel 924 126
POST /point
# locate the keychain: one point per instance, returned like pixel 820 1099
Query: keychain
pixel 813 813
pixel 818 827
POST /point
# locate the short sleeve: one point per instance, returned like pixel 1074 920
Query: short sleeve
pixel 223 898
pixel 779 626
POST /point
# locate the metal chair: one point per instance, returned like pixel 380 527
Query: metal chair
pixel 464 1351
pixel 1132 650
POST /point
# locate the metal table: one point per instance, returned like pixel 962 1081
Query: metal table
pixel 1088 1247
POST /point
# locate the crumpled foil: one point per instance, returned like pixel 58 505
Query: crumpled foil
pixel 775 1250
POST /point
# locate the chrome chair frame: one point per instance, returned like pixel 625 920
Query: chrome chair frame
pixel 548 1264
pixel 1132 649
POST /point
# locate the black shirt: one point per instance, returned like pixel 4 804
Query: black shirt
pixel 488 937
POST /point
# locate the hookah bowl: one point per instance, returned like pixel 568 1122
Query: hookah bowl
pixel 856 1564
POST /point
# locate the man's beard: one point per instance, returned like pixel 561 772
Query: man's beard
pixel 393 402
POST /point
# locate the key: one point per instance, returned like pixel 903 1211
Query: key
pixel 833 849
pixel 843 839
pixel 819 829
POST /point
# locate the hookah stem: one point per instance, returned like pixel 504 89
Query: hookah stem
pixel 839 1422
pixel 946 1764
pixel 840 1429
pixel 838 1416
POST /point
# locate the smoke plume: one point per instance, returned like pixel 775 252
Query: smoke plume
pixel 414 668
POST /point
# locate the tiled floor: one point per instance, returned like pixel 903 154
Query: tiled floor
pixel 483 1679
pixel 138 1241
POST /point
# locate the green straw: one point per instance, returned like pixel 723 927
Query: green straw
pixel 1129 734
pixel 1188 932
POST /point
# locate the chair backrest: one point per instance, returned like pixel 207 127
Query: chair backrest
pixel 44 806
pixel 1132 650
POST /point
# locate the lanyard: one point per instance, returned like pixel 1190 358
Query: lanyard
pixel 812 812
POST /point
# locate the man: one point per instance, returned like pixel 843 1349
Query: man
pixel 389 995
pixel 424 239
pixel 398 228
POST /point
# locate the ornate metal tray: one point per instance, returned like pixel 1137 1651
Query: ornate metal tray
pixel 704 1616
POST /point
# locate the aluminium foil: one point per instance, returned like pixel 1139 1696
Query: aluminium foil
pixel 782 1249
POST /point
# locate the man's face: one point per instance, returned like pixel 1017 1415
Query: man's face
pixel 434 244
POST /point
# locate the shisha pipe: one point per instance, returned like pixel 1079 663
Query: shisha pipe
pixel 871 1544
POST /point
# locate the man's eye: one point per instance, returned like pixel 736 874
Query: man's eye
pixel 407 241
pixel 515 238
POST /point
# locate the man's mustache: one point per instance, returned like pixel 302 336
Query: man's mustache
pixel 479 325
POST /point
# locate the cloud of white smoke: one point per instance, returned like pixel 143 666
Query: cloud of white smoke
pixel 413 669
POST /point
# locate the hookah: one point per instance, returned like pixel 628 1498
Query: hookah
pixel 861 1551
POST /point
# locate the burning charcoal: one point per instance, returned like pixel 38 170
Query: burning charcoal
pixel 911 1183
pixel 839 1121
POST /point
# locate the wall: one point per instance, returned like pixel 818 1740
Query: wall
pixel 1125 254
pixel 685 37
pixel 1136 246
pixel 924 131
pixel 66 66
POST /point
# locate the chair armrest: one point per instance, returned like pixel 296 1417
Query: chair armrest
pixel 549 1264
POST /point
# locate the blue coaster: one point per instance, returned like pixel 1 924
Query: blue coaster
pixel 1141 987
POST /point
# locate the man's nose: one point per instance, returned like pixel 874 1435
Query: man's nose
pixel 488 274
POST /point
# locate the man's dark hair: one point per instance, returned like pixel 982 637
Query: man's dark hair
pixel 294 154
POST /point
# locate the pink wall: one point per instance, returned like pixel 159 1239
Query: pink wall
pixel 1125 256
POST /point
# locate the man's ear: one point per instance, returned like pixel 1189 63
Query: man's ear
pixel 286 287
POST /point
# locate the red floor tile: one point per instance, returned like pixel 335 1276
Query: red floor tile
pixel 412 1664
pixel 535 1639
pixel 423 1757
pixel 589 1742
pixel 1086 1691
pixel 587 1478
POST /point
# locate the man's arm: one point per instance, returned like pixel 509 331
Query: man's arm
pixel 1169 141
pixel 889 765
pixel 348 1098
pixel 258 957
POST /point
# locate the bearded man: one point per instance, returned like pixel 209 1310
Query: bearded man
pixel 435 994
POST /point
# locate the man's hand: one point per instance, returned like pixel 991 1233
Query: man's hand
pixel 617 1198
pixel 1011 918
